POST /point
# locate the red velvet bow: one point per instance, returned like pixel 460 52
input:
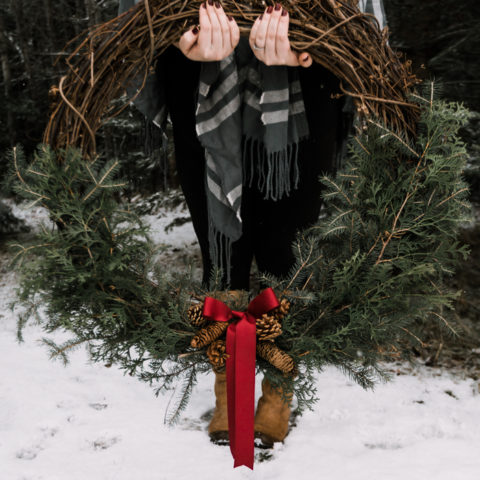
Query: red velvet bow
pixel 241 348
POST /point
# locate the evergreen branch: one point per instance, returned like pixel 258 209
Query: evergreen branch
pixel 397 216
pixel 87 167
pixel 362 146
pixel 34 202
pixel 396 136
pixel 332 230
pixel 56 351
pixel 329 180
pixel 187 387
pixel 445 322
pixel 466 189
pixel 30 170
pixel 372 248
pixel 312 324
pixel 19 175
pixel 98 184
pixel 414 336
pixel 24 250
pixel 305 264
pixel 307 281
pixel 338 217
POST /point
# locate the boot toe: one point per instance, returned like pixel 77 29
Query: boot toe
pixel 262 440
pixel 219 437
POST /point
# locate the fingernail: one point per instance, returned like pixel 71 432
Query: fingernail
pixel 260 17
pixel 284 12
pixel 203 5
pixel 230 18
pixel 270 9
pixel 217 4
pixel 277 7
pixel 210 2
pixel 195 30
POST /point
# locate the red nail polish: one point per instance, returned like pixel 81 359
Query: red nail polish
pixel 203 5
pixel 260 17
pixel 217 4
pixel 210 2
pixel 270 9
pixel 195 30
pixel 277 7
pixel 230 18
pixel 284 13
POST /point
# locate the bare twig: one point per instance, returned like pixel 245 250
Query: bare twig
pixel 338 36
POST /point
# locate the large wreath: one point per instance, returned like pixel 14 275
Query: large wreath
pixel 365 274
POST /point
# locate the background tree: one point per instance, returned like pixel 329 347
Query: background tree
pixel 441 38
pixel 33 36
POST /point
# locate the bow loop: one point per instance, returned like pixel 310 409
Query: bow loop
pixel 214 309
pixel 263 303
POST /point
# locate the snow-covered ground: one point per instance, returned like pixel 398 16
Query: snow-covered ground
pixel 88 422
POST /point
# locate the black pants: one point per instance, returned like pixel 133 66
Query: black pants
pixel 269 227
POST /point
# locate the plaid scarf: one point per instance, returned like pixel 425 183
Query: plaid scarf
pixel 375 7
pixel 246 111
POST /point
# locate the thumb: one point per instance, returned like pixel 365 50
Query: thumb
pixel 188 40
pixel 304 59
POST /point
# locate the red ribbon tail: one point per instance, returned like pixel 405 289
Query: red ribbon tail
pixel 241 344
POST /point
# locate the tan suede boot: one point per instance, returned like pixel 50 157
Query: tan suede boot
pixel 218 427
pixel 272 416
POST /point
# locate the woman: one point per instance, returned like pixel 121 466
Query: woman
pixel 248 154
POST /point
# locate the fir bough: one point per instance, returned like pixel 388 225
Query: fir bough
pixel 366 275
pixel 375 265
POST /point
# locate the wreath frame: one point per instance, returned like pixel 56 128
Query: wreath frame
pixel 364 276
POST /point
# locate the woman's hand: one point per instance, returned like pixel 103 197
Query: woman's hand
pixel 216 38
pixel 269 40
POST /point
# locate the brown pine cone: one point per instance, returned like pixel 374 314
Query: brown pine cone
pixel 195 315
pixel 217 354
pixel 277 357
pixel 268 327
pixel 282 310
pixel 208 334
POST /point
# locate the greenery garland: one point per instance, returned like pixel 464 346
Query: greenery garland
pixel 364 276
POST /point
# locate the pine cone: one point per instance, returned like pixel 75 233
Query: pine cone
pixel 208 334
pixel 282 309
pixel 268 327
pixel 217 354
pixel 278 358
pixel 195 315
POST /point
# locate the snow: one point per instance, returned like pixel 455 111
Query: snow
pixel 86 421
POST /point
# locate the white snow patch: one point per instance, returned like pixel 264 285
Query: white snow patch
pixel 32 216
pixel 178 236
